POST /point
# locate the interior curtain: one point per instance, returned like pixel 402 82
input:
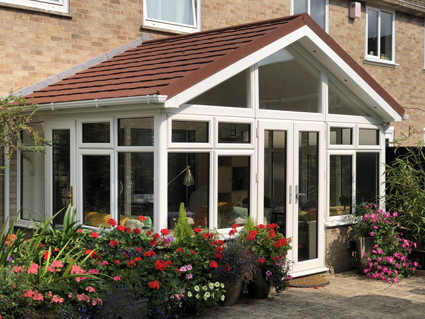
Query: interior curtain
pixel 177 11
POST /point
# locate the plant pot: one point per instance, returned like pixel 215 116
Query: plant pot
pixel 260 288
pixel 363 245
pixel 233 291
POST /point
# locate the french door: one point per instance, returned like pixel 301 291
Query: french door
pixel 60 160
pixel 292 190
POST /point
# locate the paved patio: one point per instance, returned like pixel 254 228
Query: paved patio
pixel 348 295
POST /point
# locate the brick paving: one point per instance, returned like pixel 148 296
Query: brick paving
pixel 349 295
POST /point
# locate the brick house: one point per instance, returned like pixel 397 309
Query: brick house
pixel 42 39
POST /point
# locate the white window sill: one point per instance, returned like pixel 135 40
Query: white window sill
pixel 378 62
pixel 27 8
pixel 340 222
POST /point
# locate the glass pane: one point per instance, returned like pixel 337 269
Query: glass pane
pixel 367 178
pixel 308 184
pixel 190 132
pixel 288 84
pixel 234 92
pixel 189 186
pixel 318 12
pixel 386 36
pixel 135 132
pixel 96 189
pixel 234 133
pixel 341 136
pixel 178 11
pixel 96 132
pixel 300 6
pixel 61 172
pixel 340 188
pixel 372 32
pixel 233 190
pixel 275 179
pixel 368 137
pixel 37 127
pixel 135 189
pixel 32 185
pixel 340 103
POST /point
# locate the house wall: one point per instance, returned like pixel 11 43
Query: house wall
pixel 337 255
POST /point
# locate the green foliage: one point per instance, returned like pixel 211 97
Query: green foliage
pixel 11 242
pixel 405 185
pixel 12 286
pixel 183 228
pixel 15 117
pixel 249 225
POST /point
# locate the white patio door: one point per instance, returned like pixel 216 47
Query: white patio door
pixel 60 168
pixel 291 190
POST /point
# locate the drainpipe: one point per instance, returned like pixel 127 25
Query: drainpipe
pixel 6 187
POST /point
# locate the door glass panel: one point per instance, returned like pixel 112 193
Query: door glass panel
pixel 340 185
pixel 135 188
pixel 96 189
pixel 233 190
pixel 61 172
pixel 275 179
pixel 308 184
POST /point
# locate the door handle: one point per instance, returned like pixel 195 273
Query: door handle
pixel 297 195
pixel 71 195
pixel 290 194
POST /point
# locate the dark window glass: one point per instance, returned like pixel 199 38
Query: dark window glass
pixel 367 178
pixel 234 133
pixel 190 132
pixel 136 132
pixel 368 137
pixel 96 132
pixel 340 180
pixel 341 136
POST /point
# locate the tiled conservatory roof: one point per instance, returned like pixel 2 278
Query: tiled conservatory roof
pixel 171 65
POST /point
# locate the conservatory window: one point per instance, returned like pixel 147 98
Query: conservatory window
pixel 190 132
pixel 234 133
pixel 174 15
pixel 96 132
pixel 368 136
pixel 367 178
pixel 341 136
pixel 340 103
pixel 136 132
pixel 340 184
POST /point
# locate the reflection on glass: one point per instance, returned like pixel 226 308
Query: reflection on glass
pixel 340 188
pixel 32 178
pixel 234 92
pixel 288 83
pixel 96 189
pixel 372 32
pixel 135 188
pixel 190 132
pixel 61 172
pixel 300 6
pixel 386 36
pixel 177 11
pixel 234 133
pixel 96 132
pixel 308 189
pixel 340 103
pixel 194 194
pixel 135 132
pixel 318 12
pixel 234 180
pixel 341 136
pixel 275 179
pixel 367 178
pixel 368 136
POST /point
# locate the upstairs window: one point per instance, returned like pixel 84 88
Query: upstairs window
pixel 317 9
pixel 50 5
pixel 174 15
pixel 380 35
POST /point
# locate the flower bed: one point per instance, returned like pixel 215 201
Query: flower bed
pixel 85 274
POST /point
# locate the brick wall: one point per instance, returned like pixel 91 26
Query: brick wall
pixel 337 255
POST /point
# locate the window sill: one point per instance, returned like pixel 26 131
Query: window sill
pixel 388 64
pixel 165 30
pixel 340 222
pixel 17 6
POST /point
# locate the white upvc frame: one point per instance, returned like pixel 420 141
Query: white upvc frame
pixel 308 11
pixel 61 6
pixel 191 118
pixel 112 176
pixel 351 126
pixel 127 148
pixel 173 26
pixel 250 121
pixel 381 137
pixel 373 58
pixel 214 178
pixel 109 145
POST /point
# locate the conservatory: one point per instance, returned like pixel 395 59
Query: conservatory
pixel 271 120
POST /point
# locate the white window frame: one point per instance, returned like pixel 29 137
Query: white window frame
pixel 193 145
pixel 376 59
pixel 95 145
pixel 251 122
pixel 308 8
pixel 173 26
pixel 61 6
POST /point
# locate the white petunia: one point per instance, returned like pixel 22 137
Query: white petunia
pixel 211 285
pixel 222 298
pixel 217 284
pixel 207 294
pixel 205 288
pixel 222 285
pixel 196 288
pixel 197 296
pixel 189 294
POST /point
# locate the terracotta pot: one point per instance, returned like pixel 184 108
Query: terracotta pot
pixel 363 245
pixel 233 291
pixel 260 288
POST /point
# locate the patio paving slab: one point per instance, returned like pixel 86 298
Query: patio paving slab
pixel 348 296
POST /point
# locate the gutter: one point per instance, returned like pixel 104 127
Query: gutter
pixel 144 99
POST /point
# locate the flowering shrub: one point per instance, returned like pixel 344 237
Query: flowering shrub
pixel 388 260
pixel 271 248
pixel 205 296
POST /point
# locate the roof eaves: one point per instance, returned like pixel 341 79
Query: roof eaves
pixel 81 67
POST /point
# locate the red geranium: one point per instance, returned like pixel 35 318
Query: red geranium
pixel 197 230
pixel 164 231
pixel 117 261
pixel 80 231
pixel 121 228
pixel 213 264
pixel 138 249
pixel 112 222
pixel 94 235
pixel 142 218
pixel 193 252
pixel 179 250
pixel 154 284
pixel 261 260
pixel 47 254
pixel 136 231
pixel 218 255
pixel 235 225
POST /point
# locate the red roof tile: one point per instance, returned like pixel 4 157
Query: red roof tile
pixel 171 65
